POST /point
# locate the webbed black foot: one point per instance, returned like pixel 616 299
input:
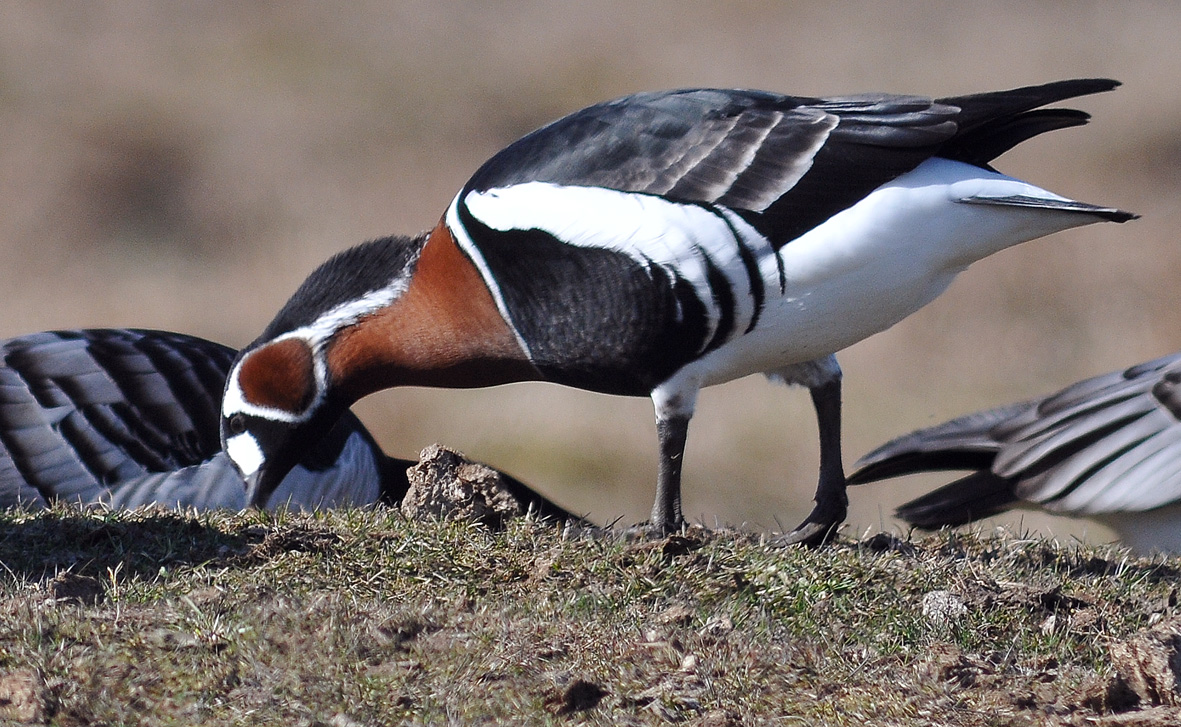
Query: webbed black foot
pixel 819 528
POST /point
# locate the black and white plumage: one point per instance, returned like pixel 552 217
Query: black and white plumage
pixel 130 417
pixel 1107 448
pixel 659 243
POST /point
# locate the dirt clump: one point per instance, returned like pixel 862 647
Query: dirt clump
pixel 445 484
pixel 578 696
pixel 70 587
pixel 1150 663
pixel 22 697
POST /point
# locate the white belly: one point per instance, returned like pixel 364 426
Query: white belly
pixel 1149 531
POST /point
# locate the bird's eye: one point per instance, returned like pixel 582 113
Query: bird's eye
pixel 237 424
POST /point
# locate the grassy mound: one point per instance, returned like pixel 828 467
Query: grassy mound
pixel 365 617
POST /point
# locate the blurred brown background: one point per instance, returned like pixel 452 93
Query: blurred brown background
pixel 185 165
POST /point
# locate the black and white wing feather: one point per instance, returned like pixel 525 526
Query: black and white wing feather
pixel 794 160
pixel 664 215
pixel 1105 445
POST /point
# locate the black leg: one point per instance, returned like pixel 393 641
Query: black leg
pixel 666 512
pixel 831 501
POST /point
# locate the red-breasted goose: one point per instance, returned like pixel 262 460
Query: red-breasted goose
pixel 130 417
pixel 656 244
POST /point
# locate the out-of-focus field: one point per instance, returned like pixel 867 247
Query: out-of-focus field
pixel 184 165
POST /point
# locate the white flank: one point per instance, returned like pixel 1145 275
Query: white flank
pixel 877 262
pixel 856 274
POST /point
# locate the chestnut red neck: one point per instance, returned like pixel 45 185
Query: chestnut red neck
pixel 444 330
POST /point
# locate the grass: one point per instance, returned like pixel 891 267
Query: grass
pixel 363 617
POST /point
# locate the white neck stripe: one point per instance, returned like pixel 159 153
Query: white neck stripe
pixel 346 314
pixel 464 240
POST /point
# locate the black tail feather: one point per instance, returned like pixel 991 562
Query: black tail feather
pixel 914 462
pixel 963 443
pixel 981 146
pixel 980 109
pixel 979 495
pixel 992 123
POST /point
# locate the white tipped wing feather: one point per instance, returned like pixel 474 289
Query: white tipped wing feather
pixel 1110 445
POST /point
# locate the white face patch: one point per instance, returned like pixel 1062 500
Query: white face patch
pixel 244 450
pixel 234 401
pixel 315 336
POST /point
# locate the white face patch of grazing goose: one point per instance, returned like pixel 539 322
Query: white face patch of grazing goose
pixel 244 450
pixel 691 240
